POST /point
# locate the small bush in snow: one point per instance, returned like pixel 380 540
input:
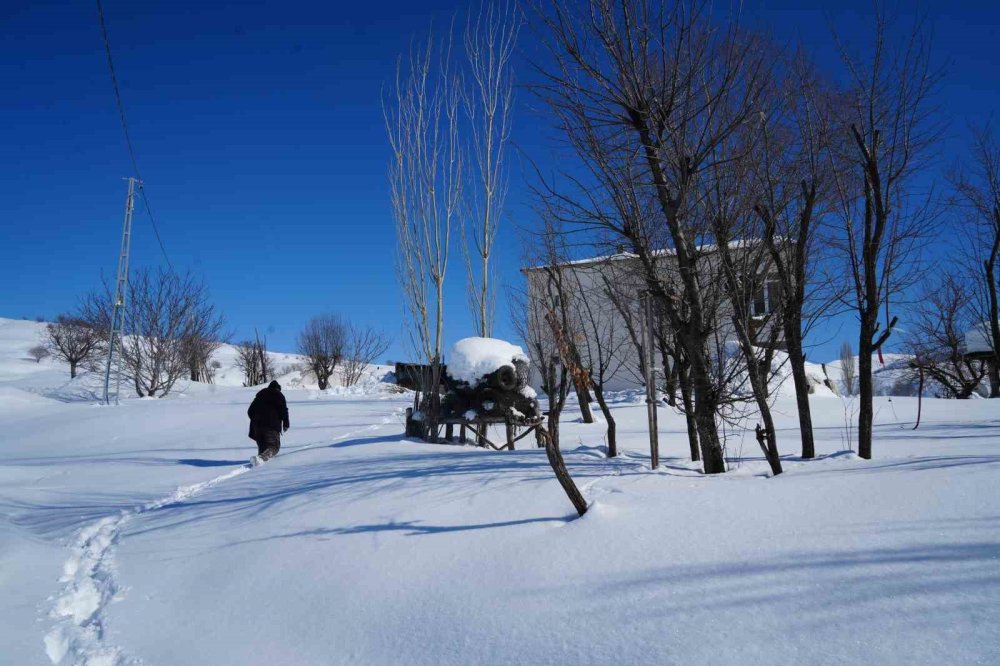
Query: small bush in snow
pixel 38 352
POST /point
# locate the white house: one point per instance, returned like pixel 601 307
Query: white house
pixel 611 288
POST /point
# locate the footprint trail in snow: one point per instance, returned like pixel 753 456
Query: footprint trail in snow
pixel 89 576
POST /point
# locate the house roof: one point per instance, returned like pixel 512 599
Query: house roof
pixel 977 340
pixel 705 248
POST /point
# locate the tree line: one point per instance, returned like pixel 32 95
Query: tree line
pixel 172 330
pixel 731 171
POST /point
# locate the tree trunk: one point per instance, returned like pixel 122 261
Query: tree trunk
pixel 865 388
pixel 583 397
pixel 670 381
pixel 562 474
pixel 705 405
pixel 609 419
pixel 797 361
pixel 692 426
pixel 767 438
pixel 994 323
pixel 556 400
pixel 669 369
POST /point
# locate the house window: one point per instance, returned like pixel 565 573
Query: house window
pixel 767 298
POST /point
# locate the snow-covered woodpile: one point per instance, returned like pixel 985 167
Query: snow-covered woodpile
pixel 487 380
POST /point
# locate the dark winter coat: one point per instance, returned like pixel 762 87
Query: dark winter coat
pixel 268 411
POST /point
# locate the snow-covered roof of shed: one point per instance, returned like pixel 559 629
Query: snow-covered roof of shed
pixel 472 358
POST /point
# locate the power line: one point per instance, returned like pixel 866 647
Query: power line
pixel 128 138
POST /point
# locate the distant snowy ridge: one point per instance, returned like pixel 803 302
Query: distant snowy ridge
pixel 50 377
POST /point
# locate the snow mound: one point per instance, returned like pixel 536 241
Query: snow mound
pixel 472 358
pixel 17 399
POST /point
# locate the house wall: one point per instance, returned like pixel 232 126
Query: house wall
pixel 590 280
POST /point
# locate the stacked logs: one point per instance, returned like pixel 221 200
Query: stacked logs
pixel 497 396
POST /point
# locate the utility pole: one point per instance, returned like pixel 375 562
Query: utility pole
pixel 121 287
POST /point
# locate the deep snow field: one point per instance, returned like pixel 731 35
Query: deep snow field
pixel 138 534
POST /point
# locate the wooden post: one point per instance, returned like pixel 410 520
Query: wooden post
pixel 481 434
pixel 510 432
pixel 449 432
pixel 654 441
pixel 461 434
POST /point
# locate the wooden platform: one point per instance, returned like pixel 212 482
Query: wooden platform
pixel 478 428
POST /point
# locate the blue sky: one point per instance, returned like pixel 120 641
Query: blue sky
pixel 260 138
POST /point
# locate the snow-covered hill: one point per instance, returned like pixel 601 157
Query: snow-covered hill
pixel 138 534
pixel 50 377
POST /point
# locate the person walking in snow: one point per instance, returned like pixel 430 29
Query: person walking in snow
pixel 268 419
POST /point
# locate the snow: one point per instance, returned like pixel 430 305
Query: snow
pixel 978 339
pixel 138 534
pixel 472 358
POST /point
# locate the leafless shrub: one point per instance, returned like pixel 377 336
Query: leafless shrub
pixel 323 342
pixel 848 369
pixel 75 340
pixel 164 311
pixel 252 359
pixel 936 334
pixel 978 188
pixel 161 314
pixel 38 352
pixel 364 345
pixel 206 334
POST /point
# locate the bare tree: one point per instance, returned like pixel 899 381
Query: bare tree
pixel 794 193
pixel 364 345
pixel 74 339
pixel 252 358
pixel 848 369
pixel 978 188
pixel 884 131
pixel 560 312
pixel 161 314
pixel 649 95
pixel 936 335
pixel 528 318
pixel 38 352
pixel 746 268
pixel 602 342
pixel 323 342
pixel 565 333
pixel 205 335
pixel 167 314
pixel 490 39
pixel 426 175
